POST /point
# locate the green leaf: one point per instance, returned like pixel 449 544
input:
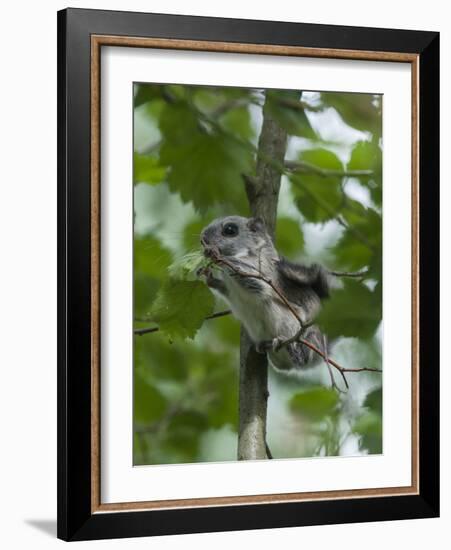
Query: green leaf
pixel 146 92
pixel 360 111
pixel 146 169
pixel 238 122
pixel 181 307
pixel 205 167
pixel 145 289
pixel 321 158
pixel 150 261
pixel 148 402
pixel 374 401
pixel 361 244
pixel 315 403
pixel 289 237
pixel 318 198
pixel 351 253
pixel 150 257
pixel 366 155
pixel 176 122
pixel 354 212
pixel 285 107
pixel 352 311
pixel 185 268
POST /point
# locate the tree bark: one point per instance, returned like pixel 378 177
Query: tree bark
pixel 263 194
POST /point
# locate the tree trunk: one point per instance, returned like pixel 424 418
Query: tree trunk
pixel 263 194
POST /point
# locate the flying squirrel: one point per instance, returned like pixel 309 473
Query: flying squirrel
pixel 240 246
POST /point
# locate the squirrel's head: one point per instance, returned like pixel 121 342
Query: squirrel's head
pixel 235 236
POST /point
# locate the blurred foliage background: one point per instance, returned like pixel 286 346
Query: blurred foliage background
pixel 191 146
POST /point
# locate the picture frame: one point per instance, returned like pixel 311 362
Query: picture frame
pixel 81 36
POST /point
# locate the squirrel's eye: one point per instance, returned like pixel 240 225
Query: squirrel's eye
pixel 230 230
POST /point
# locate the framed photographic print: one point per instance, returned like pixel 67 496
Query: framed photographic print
pixel 248 274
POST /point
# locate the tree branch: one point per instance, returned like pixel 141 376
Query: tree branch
pixel 263 194
pixel 276 165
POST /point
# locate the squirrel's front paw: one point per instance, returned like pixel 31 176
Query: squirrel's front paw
pixel 263 346
pixel 206 273
pixel 277 343
pixel 269 345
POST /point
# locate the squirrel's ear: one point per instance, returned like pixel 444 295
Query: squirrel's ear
pixel 256 224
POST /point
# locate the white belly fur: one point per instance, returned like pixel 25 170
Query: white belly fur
pixel 262 316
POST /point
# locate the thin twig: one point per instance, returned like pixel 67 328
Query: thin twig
pixel 355 274
pixel 219 260
pixel 280 166
pixel 307 168
pixel 216 258
pixel 331 374
pixel 147 330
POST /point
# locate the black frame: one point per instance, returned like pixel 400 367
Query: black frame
pixel 75 520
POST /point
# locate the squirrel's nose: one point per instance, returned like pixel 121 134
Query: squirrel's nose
pixel 204 240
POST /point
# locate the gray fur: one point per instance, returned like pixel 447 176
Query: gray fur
pixel 264 315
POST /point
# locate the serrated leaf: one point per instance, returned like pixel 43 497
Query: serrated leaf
pixel 315 403
pixel 205 167
pixel 181 307
pixel 146 169
pixel 185 267
pixel 238 122
pixel 352 311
